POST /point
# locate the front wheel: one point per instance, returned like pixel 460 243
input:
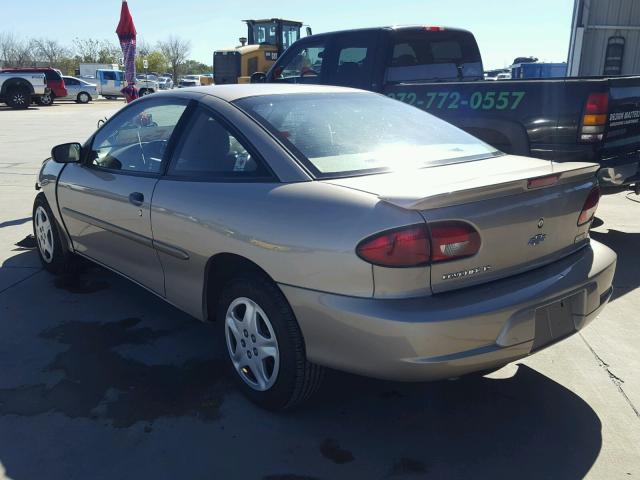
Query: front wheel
pixel 264 345
pixel 145 91
pixel 54 255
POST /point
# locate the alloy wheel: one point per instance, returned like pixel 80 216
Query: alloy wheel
pixel 19 98
pixel 252 344
pixel 44 234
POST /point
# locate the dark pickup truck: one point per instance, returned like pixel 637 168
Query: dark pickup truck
pixel 437 69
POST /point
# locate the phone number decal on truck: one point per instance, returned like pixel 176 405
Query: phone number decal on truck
pixel 454 100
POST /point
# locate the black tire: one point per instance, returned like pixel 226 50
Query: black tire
pixel 18 97
pixel 60 260
pixel 83 97
pixel 145 91
pixel 297 379
pixel 46 100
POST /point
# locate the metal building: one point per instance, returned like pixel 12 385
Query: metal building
pixel 605 38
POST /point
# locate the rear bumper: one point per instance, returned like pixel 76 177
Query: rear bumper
pixel 459 332
pixel 621 170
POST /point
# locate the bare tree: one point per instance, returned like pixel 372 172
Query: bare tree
pixel 143 49
pixel 49 50
pixel 7 41
pixel 14 51
pixel 87 49
pixel 109 52
pixel 175 50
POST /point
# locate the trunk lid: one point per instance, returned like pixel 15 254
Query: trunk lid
pixel 520 227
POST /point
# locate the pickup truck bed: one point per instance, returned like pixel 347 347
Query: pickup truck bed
pixel 19 89
pixel 539 118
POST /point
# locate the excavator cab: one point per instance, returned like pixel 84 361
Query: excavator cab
pixel 266 40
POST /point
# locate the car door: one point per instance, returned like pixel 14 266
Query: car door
pixel 206 204
pixel 105 200
pixel 73 87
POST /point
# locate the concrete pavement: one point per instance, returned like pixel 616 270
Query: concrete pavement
pixel 100 379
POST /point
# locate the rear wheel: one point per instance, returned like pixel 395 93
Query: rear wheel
pixel 83 97
pixel 53 253
pixel 18 97
pixel 264 345
pixel 145 91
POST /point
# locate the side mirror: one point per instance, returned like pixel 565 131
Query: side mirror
pixel 66 153
pixel 259 77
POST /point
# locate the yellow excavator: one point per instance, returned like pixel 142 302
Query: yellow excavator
pixel 265 41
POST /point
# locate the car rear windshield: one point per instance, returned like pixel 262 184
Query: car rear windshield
pixel 344 134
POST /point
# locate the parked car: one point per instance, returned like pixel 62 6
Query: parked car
pixel 19 89
pixel 440 70
pixel 80 90
pixel 55 82
pixel 165 83
pixel 189 81
pixel 330 227
pixel 111 82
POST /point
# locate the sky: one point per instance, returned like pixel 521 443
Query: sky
pixel 504 29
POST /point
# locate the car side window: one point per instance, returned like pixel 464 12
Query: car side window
pixel 303 66
pixel 71 81
pixel 208 149
pixel 135 141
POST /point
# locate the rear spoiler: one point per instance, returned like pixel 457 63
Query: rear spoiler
pixel 514 183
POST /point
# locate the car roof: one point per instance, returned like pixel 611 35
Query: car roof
pixel 389 28
pixel 28 69
pixel 244 90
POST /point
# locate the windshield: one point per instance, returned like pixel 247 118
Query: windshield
pixel 341 134
pixel 264 33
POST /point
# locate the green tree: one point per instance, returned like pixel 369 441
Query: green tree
pixel 157 62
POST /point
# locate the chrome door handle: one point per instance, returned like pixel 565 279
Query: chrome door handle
pixel 136 198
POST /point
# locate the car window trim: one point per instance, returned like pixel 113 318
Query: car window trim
pixel 217 178
pixel 165 158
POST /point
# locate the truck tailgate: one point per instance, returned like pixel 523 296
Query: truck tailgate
pixel 623 126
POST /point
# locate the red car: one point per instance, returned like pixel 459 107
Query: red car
pixel 54 81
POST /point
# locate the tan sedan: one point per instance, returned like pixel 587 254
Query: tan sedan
pixel 330 227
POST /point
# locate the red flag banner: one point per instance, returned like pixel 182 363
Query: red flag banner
pixel 126 31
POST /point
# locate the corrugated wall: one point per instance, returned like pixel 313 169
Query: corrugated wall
pixel 610 13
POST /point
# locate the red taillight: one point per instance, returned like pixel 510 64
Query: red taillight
pixel 590 206
pixel 453 240
pixel 434 29
pixel 594 120
pixel 404 247
pixel 597 103
pixel 413 246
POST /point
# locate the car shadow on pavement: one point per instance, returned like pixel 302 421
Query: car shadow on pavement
pixel 122 375
pixel 526 426
pixel 626 245
pixel 17 221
